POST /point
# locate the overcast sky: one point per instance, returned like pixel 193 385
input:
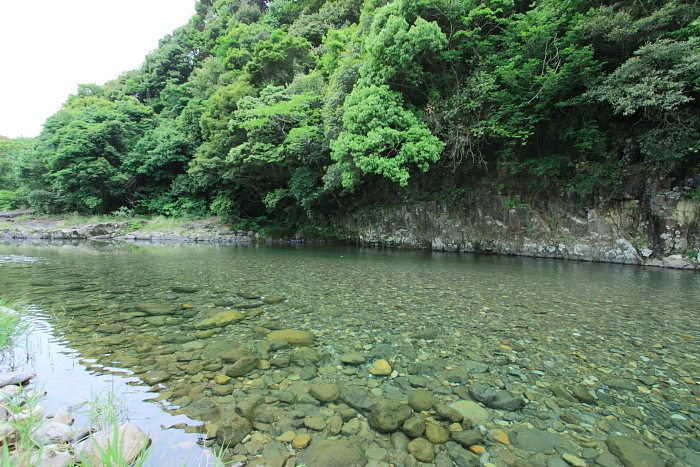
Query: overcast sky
pixel 48 47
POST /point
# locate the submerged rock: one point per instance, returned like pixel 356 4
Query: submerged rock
pixel 292 337
pixel 633 453
pixel 220 320
pixel 388 415
pixel 333 452
pixel 156 309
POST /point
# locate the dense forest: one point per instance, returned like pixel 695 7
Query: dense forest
pixel 294 111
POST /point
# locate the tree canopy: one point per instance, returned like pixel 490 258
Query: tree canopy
pixel 294 110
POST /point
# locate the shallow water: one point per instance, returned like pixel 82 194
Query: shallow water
pixel 533 322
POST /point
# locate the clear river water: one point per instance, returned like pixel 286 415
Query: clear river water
pixel 629 335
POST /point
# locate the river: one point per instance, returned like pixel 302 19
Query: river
pixel 628 335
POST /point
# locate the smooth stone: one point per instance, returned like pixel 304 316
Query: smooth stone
pixel 448 413
pixel 353 358
pixel 421 400
pixel 248 295
pixel 482 394
pixel 304 356
pixel 156 309
pixel 436 434
pixel 582 394
pixel 359 398
pixel 242 367
pixel 315 423
pixel 467 438
pixel 222 389
pixel 388 415
pixel 534 440
pixel 325 392
pixel 220 320
pixel 156 320
pixel 53 432
pixel 14 378
pixel 380 368
pixel 232 429
pixel 633 453
pixel 292 337
pixel 559 391
pixel 471 410
pixel 155 377
pixel 131 442
pixel 332 452
pixel 414 426
pixel 506 401
pixel 621 385
pixel 110 328
pixel 300 441
pixel 421 449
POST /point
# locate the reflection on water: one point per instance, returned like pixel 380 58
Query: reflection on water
pixel 574 320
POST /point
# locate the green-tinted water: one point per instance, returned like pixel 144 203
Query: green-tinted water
pixel 518 323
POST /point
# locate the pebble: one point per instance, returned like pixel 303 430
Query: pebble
pixel 380 368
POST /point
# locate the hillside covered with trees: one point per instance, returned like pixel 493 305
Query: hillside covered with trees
pixel 293 111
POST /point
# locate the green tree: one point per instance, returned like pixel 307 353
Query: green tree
pixel 380 137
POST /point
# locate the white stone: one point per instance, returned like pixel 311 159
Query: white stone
pixel 130 440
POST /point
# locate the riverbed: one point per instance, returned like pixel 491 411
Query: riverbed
pixel 544 331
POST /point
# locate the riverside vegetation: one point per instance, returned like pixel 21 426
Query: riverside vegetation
pixel 297 112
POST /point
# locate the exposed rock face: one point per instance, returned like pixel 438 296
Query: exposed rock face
pixel 630 227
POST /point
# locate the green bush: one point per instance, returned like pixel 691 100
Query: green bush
pixel 8 200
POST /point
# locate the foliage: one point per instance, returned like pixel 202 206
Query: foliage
pixel 294 111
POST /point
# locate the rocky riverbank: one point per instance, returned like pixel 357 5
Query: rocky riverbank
pixel 33 438
pixel 665 234
pixel 130 231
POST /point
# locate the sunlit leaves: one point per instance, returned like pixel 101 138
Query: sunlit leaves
pixel 382 137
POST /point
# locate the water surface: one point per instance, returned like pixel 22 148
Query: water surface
pixel 531 322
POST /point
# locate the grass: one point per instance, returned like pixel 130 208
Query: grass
pixel 105 411
pixel 12 329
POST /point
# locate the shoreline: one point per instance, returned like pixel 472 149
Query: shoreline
pixel 217 233
pixel 212 231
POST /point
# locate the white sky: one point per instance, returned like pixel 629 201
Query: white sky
pixel 48 47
